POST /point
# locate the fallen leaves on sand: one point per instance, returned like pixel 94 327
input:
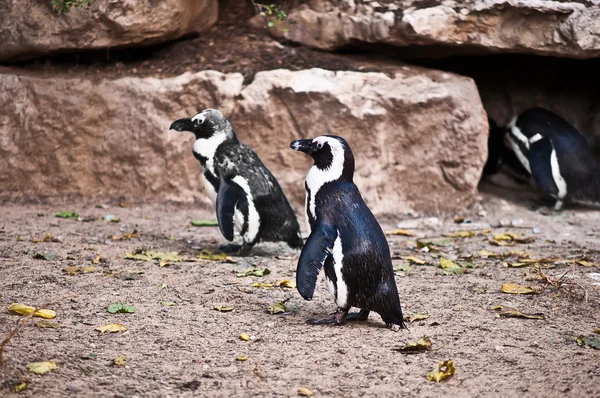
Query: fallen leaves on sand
pixel 112 328
pixel 592 342
pixel 585 263
pixel 204 223
pixel 263 285
pixel 23 309
pixel 164 258
pixel 285 283
pixel 415 260
pixel 76 270
pixel 67 214
pixel 47 238
pixel 402 232
pixel 513 288
pixel 223 308
pixel 20 387
pixel 168 303
pixel 431 246
pixel 276 308
pixel 415 317
pixel 41 255
pixel 242 358
pixel 466 234
pixel 208 255
pixel 305 392
pixel 120 308
pixel 597 331
pixel 423 344
pixel 509 239
pixel 244 337
pixel 488 254
pixel 127 236
pixel 120 360
pixel 442 371
pixel 254 272
pixel 402 270
pixel 449 267
pixel 41 367
pixel 45 324
pixel 506 312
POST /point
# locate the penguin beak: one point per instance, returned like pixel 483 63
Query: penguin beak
pixel 182 125
pixel 302 146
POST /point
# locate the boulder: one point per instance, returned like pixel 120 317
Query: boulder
pixel 543 27
pixel 30 28
pixel 419 136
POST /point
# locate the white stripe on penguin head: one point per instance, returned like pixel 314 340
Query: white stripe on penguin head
pixel 317 177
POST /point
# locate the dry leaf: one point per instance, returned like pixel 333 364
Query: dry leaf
pixel 254 272
pixel 96 259
pixel 263 285
pixel 207 255
pixel 23 309
pixel 244 337
pixel 586 263
pixel 460 234
pixel 111 328
pixel 47 238
pixel 167 303
pixel 506 312
pixel 223 308
pixel 305 392
pixel 415 317
pixel 449 267
pixel 242 358
pixel 415 260
pixel 592 342
pixel 276 308
pixel 20 387
pixel 402 232
pixel 485 253
pixel 41 367
pixel 423 344
pixel 286 283
pixel 597 331
pixel 120 361
pixel 45 324
pixel 442 371
pixel 149 256
pixel 516 265
pixel 513 288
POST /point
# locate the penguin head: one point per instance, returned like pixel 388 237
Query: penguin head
pixel 330 153
pixel 204 124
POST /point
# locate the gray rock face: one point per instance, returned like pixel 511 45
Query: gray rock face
pixel 419 136
pixel 541 27
pixel 29 28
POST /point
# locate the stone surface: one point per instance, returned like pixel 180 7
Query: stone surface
pixel 30 28
pixel 541 27
pixel 419 136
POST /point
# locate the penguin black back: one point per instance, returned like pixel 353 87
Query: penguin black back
pixel 346 239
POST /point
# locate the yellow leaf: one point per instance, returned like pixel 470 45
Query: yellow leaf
pixel 120 361
pixel 586 263
pixel 96 259
pixel 263 285
pixel 112 328
pixel 88 269
pixel 460 234
pixel 286 283
pixel 415 317
pixel 305 392
pixel 597 331
pixel 415 260
pixel 506 312
pixel 276 308
pixel 513 288
pixel 41 367
pixel 207 255
pixel 242 358
pixel 516 265
pixel 20 387
pixel 44 324
pixel 402 232
pixel 244 337
pixel 223 308
pixel 485 253
pixel 423 344
pixel 23 309
pixel 442 371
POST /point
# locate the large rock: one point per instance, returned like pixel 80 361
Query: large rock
pixel 30 28
pixel 543 27
pixel 419 136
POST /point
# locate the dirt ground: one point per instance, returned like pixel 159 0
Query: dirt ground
pixel 190 349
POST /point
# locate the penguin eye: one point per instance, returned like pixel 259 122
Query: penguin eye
pixel 319 145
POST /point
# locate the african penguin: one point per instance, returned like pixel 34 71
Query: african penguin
pixel 556 155
pixel 503 168
pixel 247 196
pixel 345 239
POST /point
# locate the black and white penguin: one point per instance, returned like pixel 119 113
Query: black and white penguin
pixel 248 198
pixel 345 239
pixel 556 155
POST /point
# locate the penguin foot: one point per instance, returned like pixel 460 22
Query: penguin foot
pixel 339 319
pixel 361 316
pixel 230 248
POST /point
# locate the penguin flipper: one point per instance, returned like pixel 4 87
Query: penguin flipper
pixel 230 195
pixel 540 161
pixel 317 248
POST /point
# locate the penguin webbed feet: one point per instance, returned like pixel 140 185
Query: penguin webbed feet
pixel 235 249
pixel 547 205
pixel 339 319
pixel 360 316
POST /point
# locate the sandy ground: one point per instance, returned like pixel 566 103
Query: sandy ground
pixel 190 349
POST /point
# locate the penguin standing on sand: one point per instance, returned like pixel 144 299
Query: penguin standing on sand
pixel 247 196
pixel 345 239
pixel 556 155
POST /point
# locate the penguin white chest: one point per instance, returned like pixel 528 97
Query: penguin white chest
pixel 209 188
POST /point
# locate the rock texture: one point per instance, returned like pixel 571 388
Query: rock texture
pixel 29 28
pixel 419 135
pixel 543 27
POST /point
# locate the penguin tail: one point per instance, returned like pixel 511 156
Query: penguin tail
pixel 394 319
